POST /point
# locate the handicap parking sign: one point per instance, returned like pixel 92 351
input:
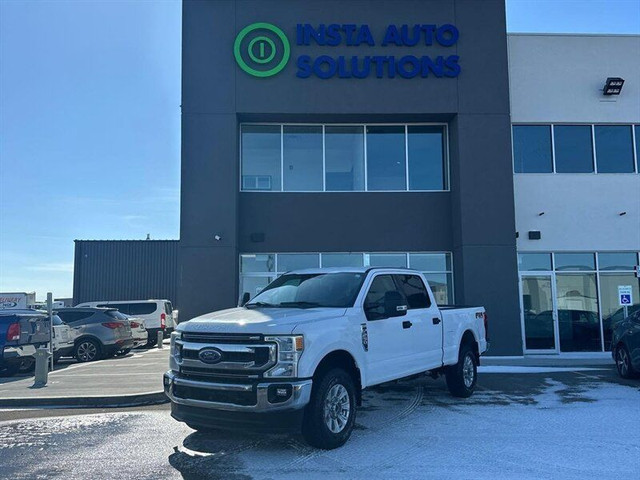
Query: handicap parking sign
pixel 625 297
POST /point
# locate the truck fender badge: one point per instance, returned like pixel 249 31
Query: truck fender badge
pixel 210 355
pixel 365 337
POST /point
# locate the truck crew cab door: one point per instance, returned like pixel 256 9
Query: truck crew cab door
pixel 389 349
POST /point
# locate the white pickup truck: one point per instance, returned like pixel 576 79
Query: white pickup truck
pixel 300 353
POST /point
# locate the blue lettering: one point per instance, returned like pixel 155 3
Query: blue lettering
pixel 392 66
pixel 428 33
pixel 330 62
pixel 342 68
pixel 436 68
pixel 366 67
pixel 404 34
pixel 311 33
pixel 392 36
pixel 415 66
pixel 447 35
pixel 379 62
pixel 453 68
pixel 364 36
pixel 333 35
pixel 349 30
pixel 304 66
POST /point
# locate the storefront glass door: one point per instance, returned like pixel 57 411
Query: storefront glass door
pixel 539 313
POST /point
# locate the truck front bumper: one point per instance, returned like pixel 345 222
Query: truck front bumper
pixel 238 397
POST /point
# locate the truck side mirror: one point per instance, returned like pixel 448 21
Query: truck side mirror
pixel 246 296
pixel 394 304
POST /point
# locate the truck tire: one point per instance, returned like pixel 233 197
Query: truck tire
pixel 462 377
pixel 331 414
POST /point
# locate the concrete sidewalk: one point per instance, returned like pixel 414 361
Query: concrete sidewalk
pixel 135 379
pixel 576 359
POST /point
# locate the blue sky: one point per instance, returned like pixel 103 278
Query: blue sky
pixel 90 122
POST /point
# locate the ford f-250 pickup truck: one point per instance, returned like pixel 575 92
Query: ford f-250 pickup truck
pixel 300 353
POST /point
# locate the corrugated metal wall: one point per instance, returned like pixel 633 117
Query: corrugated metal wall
pixel 125 270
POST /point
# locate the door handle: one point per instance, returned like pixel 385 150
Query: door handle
pixel 436 320
pixel 406 324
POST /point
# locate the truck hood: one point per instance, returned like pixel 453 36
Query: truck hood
pixel 268 321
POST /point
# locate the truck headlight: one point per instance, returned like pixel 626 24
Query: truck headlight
pixel 290 348
pixel 175 351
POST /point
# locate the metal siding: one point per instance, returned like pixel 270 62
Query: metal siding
pixel 125 270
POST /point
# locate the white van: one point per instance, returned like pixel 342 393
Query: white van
pixel 157 314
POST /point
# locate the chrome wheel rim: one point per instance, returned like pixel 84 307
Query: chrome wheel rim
pixel 337 407
pixel 622 361
pixel 468 373
pixel 87 351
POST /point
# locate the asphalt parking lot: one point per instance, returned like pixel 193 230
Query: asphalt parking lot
pixel 571 423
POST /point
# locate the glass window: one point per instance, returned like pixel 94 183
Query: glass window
pixel 530 262
pixel 342 260
pixel 430 262
pixel 344 158
pixel 146 308
pixel 637 132
pixel 575 261
pixel 297 261
pixel 612 312
pixel 442 287
pixel 574 149
pixel 614 152
pixel 532 149
pixel 426 157
pixel 617 261
pixel 122 307
pixel 386 169
pixel 253 285
pixel 414 290
pixel 578 321
pixel 302 156
pixel 398 260
pixel 261 157
pixel 257 263
pixel 381 288
pixel 537 303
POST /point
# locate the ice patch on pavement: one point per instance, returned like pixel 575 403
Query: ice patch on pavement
pixel 516 369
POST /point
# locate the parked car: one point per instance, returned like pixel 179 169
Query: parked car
pixel 101 332
pixel 625 345
pixel 157 314
pixel 138 331
pixel 20 335
pixel 301 352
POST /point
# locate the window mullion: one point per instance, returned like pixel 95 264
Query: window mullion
pixel 593 147
pixel 406 156
pixel 366 160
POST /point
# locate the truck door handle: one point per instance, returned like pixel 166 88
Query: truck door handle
pixel 436 320
pixel 406 324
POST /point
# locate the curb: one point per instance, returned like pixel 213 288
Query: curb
pixel 99 401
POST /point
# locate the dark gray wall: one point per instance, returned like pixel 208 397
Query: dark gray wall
pixel 125 270
pixel 475 220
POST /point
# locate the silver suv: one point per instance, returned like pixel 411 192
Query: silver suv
pixel 101 332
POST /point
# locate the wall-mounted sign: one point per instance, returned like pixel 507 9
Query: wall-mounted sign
pixel 625 295
pixel 263 50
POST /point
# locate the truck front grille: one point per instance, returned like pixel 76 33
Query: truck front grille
pixel 219 396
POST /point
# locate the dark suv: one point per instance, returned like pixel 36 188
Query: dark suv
pixel 625 345
pixel 102 332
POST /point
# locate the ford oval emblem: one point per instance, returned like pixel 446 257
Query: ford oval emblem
pixel 210 355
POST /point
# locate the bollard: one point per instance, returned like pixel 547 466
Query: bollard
pixel 160 338
pixel 42 367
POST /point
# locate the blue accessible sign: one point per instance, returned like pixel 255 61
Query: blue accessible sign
pixel 625 296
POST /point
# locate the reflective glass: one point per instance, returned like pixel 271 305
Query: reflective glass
pixel 297 261
pixel 537 303
pixel 342 260
pixel 261 157
pixel 430 262
pixel 261 262
pixel 386 260
pixel 578 321
pixel 386 169
pixel 426 157
pixel 344 158
pixel 253 285
pixel 617 261
pixel 302 157
pixel 575 261
pixel 614 151
pixel 612 312
pixel 530 262
pixel 574 149
pixel 442 287
pixel 532 149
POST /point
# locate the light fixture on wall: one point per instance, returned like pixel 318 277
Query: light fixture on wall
pixel 622 214
pixel 540 214
pixel 613 86
pixel 217 238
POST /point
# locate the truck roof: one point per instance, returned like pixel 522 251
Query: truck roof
pixel 350 270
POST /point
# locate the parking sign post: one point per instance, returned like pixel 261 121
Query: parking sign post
pixel 50 312
pixel 625 298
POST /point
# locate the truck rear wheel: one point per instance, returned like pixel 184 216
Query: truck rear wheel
pixel 331 414
pixel 462 377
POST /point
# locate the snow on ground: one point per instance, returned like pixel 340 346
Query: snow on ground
pixel 516 369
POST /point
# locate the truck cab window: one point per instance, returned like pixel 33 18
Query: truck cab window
pixel 413 288
pixel 382 287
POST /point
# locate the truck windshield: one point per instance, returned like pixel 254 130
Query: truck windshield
pixel 338 290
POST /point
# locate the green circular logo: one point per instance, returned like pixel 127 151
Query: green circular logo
pixel 261 49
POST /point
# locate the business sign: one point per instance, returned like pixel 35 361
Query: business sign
pixel 625 296
pixel 263 50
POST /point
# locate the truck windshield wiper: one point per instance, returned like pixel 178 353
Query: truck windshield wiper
pixel 261 304
pixel 299 304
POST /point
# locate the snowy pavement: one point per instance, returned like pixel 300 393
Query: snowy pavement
pixel 550 424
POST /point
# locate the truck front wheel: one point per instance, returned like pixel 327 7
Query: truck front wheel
pixel 462 377
pixel 331 414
